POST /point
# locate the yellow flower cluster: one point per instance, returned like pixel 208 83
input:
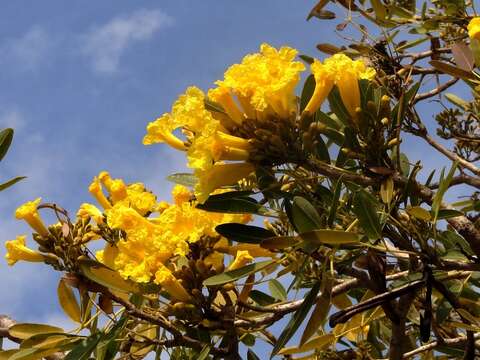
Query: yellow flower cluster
pixel 262 87
pixel 344 72
pixel 207 144
pixel 474 28
pixel 151 242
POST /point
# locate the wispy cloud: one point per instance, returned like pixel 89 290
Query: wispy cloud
pixel 11 118
pixel 105 44
pixel 28 50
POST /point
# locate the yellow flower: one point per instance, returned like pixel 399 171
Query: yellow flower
pixel 90 211
pixel 133 195
pixel 220 175
pixel 265 82
pixel 161 130
pixel 16 250
pixel 181 194
pixel 107 255
pixel 116 187
pixel 474 28
pixel 241 259
pixel 223 96
pixel 95 189
pixel 215 259
pixel 347 73
pixel 324 81
pixel 29 213
pixel 166 280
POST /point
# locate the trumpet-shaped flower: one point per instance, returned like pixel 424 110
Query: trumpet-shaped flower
pixel 265 82
pixel 96 190
pixel 16 250
pixel 90 211
pixel 347 72
pixel 241 259
pixel 474 28
pixel 324 81
pixel 29 213
pixel 169 282
pixel 223 95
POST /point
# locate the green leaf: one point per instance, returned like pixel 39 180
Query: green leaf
pixel 184 179
pixel 83 350
pixel 233 203
pixel 448 213
pixel 244 233
pixel 330 237
pixel 277 290
pixel 11 182
pixel 251 355
pixel 234 275
pixel 336 105
pixel 442 189
pixel 204 353
pixel 333 207
pixel 107 277
pixel 307 92
pixel 365 209
pixel 261 298
pixel 419 213
pixel 452 70
pixel 6 137
pixel 68 302
pixel 304 215
pixel 280 242
pixel 213 106
pixel 455 100
pixel 26 330
pixel 296 319
pixel 108 346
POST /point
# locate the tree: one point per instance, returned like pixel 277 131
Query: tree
pixel 365 258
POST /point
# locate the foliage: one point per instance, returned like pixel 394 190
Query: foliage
pixel 361 251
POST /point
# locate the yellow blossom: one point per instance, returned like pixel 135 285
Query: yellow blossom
pixel 107 255
pixel 265 82
pixel 215 259
pixel 16 250
pixel 181 194
pixel 161 130
pixel 324 81
pixel 474 28
pixel 90 211
pixel 223 96
pixel 29 213
pixel 116 187
pixel 95 189
pixel 241 259
pixel 166 280
pixel 347 73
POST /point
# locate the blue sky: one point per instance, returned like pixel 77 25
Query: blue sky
pixel 79 82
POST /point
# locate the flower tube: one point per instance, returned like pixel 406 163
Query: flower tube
pixel 29 213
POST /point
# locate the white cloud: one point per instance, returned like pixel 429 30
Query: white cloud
pixel 12 119
pixel 105 44
pixel 27 51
